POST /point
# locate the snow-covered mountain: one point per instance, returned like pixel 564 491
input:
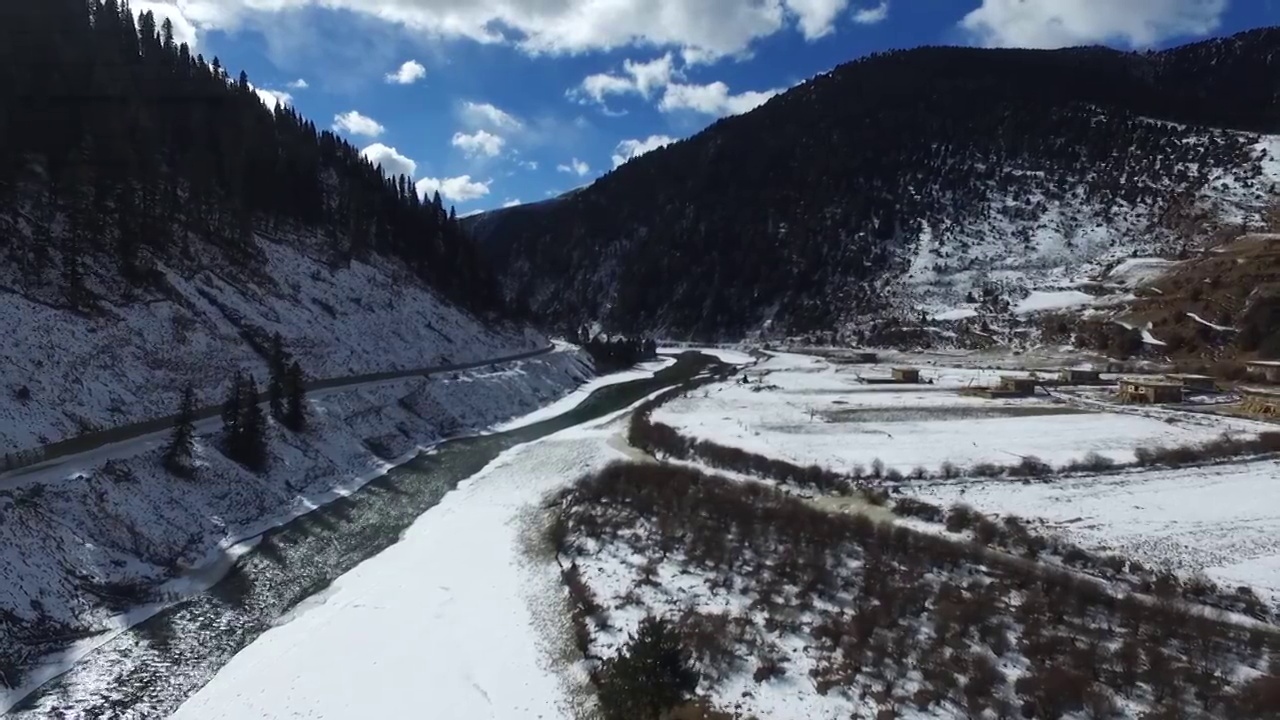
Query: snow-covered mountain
pixel 64 372
pixel 910 185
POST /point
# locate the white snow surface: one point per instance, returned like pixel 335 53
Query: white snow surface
pixel 1045 301
pixel 128 521
pixel 454 621
pixel 820 414
pixel 955 314
pixel 1136 271
pixel 91 373
pixel 1215 326
pixel 1223 520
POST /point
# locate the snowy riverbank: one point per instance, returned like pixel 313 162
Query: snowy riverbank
pixel 79 549
pixel 463 604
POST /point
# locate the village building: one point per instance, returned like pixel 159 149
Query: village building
pixel 1190 381
pixel 1263 402
pixel 1265 370
pixel 1020 386
pixel 1149 390
pixel 1079 376
pixel 906 375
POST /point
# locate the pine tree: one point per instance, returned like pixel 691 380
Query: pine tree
pixel 250 445
pixel 295 383
pixel 231 408
pixel 181 450
pixel 276 383
pixel 653 674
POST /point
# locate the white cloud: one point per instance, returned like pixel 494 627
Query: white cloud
pixel 392 162
pixel 628 149
pixel 641 78
pixel 488 115
pixel 528 164
pixel 184 31
pixel 298 84
pixel 816 18
pixel 872 15
pixel 457 189
pixel 479 143
pixel 712 99
pixel 272 98
pixel 356 124
pixel 407 74
pixel 1061 23
pixel 575 167
pixel 707 29
pixel 512 202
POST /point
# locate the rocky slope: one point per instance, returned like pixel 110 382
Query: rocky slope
pixel 906 186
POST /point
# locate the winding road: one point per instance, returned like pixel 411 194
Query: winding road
pixel 92 446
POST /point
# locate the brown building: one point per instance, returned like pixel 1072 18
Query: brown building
pixel 1018 385
pixel 1078 376
pixel 906 375
pixel 1265 370
pixel 1194 382
pixel 1260 401
pixel 1147 390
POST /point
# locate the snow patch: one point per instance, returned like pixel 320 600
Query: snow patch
pixel 1055 300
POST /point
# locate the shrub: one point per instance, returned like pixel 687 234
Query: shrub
pixel 879 498
pixel 651 675
pixel 1031 466
pixel 987 532
pixel 949 470
pixel 987 470
pixel 960 518
pixel 911 507
pixel 1268 442
pixel 1144 456
pixel 1094 462
pixel 770 668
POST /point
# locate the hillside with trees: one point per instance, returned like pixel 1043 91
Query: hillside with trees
pixel 903 182
pixel 118 143
pixel 162 228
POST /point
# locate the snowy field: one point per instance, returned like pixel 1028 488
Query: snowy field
pixel 457 620
pixel 1223 521
pixel 809 411
pixel 125 522
pixel 82 374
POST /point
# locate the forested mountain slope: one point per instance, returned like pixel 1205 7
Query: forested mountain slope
pixel 906 183
pixel 159 225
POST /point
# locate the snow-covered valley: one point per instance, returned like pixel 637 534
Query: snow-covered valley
pixel 466 613
pixel 87 542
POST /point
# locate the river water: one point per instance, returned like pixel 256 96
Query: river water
pixel 148 671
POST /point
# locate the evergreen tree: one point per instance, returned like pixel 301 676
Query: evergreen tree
pixel 232 407
pixel 181 450
pixel 249 444
pixel 295 382
pixel 253 429
pixel 651 675
pixel 276 383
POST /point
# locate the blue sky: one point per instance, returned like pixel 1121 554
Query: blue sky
pixel 498 101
